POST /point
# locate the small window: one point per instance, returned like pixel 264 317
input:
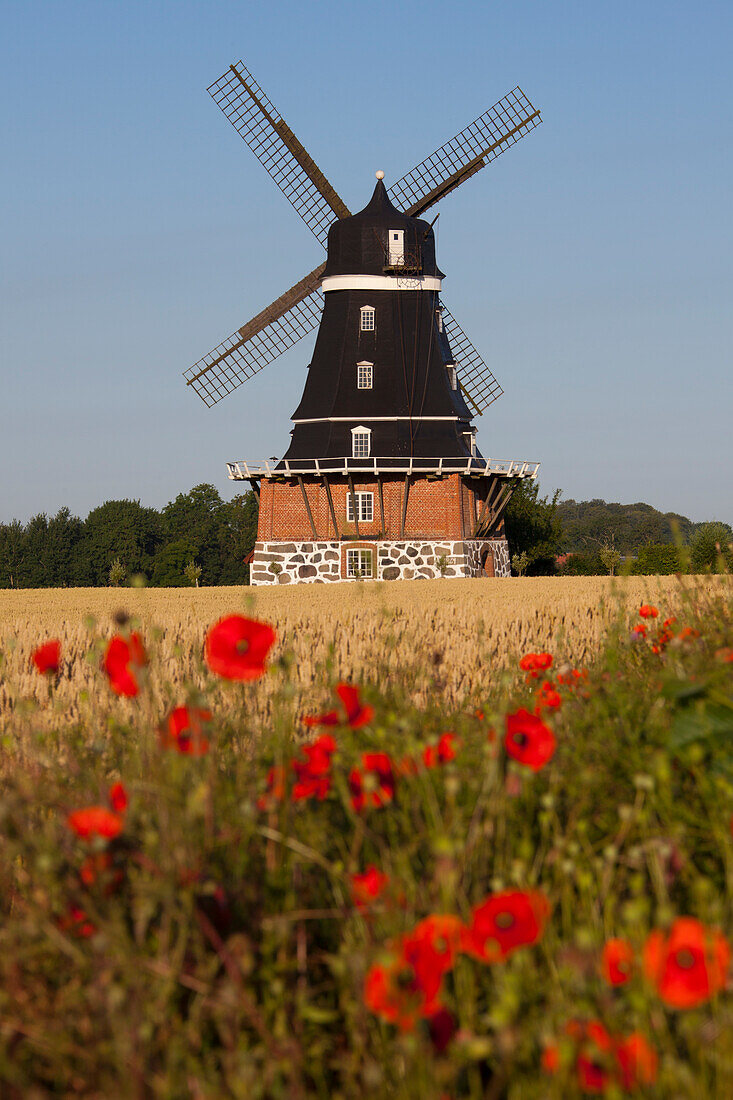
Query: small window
pixel 359 563
pixel 361 442
pixel 364 376
pixel 452 376
pixel 364 507
pixel 470 438
pixel 439 319
pixel 367 318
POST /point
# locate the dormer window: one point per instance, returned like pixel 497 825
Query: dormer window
pixel 368 314
pixel 452 376
pixel 470 438
pixel 364 375
pixel 361 442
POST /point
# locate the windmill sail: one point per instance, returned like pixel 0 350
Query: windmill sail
pixel 478 384
pixel 264 338
pixel 467 153
pixel 276 147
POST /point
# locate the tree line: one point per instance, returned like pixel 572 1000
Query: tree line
pixel 200 537
pixel 551 536
pixel 122 539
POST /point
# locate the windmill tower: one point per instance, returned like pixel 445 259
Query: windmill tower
pixel 383 477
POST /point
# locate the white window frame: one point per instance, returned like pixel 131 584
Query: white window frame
pixel 439 319
pixel 452 375
pixel 359 434
pixel 364 507
pixel 396 246
pixel 368 322
pixel 360 562
pixel 470 438
pixel 365 375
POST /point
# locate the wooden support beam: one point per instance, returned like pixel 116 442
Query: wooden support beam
pixel 331 508
pixel 354 508
pixel 404 505
pixel 307 507
pixel 491 496
pixel 381 504
pixel 255 488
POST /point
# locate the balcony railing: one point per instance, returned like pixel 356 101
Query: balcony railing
pixel 472 467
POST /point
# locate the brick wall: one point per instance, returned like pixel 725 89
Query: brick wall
pixel 443 508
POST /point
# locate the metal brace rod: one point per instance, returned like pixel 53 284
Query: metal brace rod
pixel 380 486
pixel 330 504
pixel 307 507
pixel 404 505
pixel 354 506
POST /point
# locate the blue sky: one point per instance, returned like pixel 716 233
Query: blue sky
pixel 590 264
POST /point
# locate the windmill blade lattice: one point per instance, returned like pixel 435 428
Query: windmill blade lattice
pixel 267 336
pixel 467 153
pixel 477 382
pixel 276 147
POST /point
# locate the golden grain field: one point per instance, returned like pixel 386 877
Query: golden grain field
pixel 449 636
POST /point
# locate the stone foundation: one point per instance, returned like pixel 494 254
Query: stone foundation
pixel 321 562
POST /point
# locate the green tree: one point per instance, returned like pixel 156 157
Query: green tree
pixel 169 569
pixel 121 529
pixel 12 555
pixel 117 573
pixel 711 548
pixel 533 526
pixel 657 559
pixel 192 573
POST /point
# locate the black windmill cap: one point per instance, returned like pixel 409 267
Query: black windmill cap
pixel 357 243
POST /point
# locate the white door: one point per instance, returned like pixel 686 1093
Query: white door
pixel 396 247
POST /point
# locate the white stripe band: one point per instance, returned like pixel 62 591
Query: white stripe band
pixel 380 282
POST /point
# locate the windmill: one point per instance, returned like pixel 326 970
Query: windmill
pixel 382 477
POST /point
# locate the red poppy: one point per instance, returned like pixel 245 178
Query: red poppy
pixel 535 664
pixel 442 1026
pixel 529 740
pixel 183 730
pixel 357 714
pixel 275 789
pixel 617 961
pixel 77 923
pixel 551 1058
pixel 368 887
pixel 390 992
pixel 637 1060
pixel 118 798
pixel 647 611
pixel 505 922
pixel 236 648
pixel 95 821
pixel 639 630
pixel 725 655
pixel 47 658
pixel 548 697
pixel 122 659
pixel 594 1064
pixel 431 949
pixel 313 775
pixel 440 753
pixel 688 964
pixel 688 632
pixel 379 789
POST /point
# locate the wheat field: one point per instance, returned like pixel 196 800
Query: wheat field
pixel 444 636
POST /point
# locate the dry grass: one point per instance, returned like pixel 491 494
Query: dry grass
pixel 448 635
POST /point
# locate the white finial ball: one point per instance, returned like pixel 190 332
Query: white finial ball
pixel 380 174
